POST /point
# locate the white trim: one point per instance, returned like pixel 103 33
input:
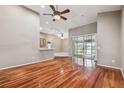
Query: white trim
pixel 46 49
pixel 114 68
pixel 109 66
pixel 25 64
pixel 61 54
pixel 122 73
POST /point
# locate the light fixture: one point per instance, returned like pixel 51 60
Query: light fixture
pixel 41 28
pixel 57 17
pixel 62 37
pixel 42 6
pixel 47 22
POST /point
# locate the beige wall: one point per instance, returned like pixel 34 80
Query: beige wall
pixel 65 45
pixel 109 38
pixel 122 40
pixel 19 37
pixel 85 29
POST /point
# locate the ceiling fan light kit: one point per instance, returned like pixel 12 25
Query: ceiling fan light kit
pixel 56 17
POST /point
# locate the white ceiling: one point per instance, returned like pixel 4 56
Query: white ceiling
pixel 79 15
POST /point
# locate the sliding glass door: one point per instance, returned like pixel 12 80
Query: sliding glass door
pixel 84 49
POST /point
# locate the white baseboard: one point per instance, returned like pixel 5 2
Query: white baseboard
pixel 26 64
pixel 122 73
pixel 113 67
pixel 61 54
pixel 109 66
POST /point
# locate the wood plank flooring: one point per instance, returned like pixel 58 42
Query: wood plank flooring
pixel 60 73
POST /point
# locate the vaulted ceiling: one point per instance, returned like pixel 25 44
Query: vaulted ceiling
pixel 79 15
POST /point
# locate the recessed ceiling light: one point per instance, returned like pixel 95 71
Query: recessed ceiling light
pixel 47 22
pixel 41 28
pixel 42 6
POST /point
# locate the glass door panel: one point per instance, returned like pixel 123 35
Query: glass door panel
pixel 84 49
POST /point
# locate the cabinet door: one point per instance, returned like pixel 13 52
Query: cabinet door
pixel 42 42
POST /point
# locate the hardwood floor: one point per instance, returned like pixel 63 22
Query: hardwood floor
pixel 60 73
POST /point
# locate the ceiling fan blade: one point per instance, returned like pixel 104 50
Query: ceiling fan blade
pixel 65 11
pixel 48 14
pixel 64 18
pixel 52 7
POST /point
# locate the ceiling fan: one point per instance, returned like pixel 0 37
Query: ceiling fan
pixel 57 14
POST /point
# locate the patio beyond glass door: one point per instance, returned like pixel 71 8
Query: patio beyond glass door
pixel 84 49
